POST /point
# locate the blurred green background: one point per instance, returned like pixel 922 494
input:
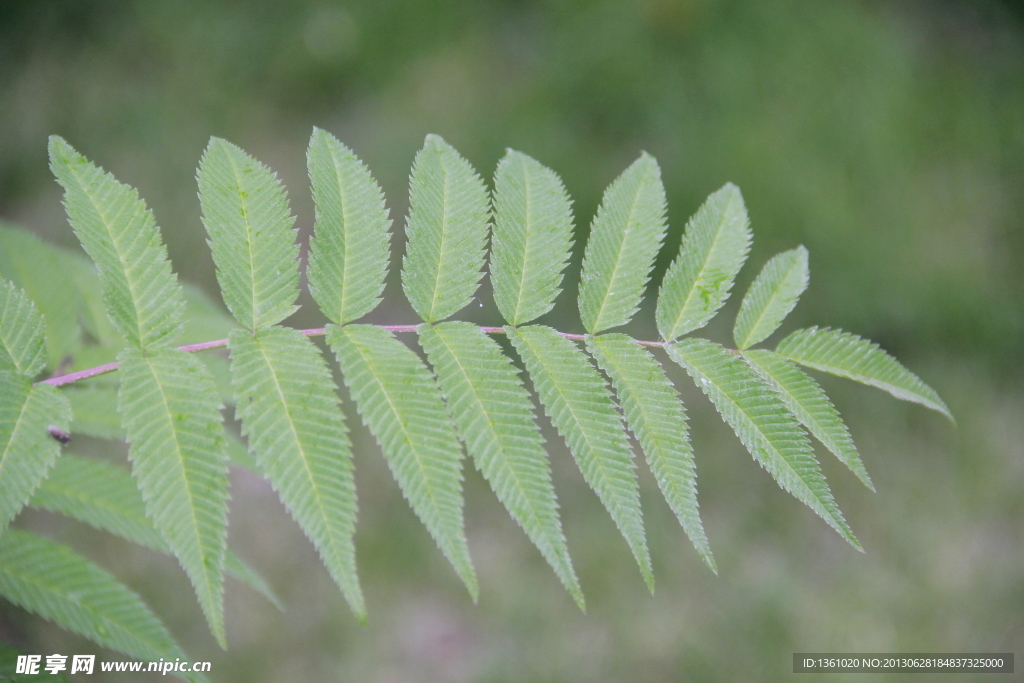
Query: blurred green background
pixel 887 137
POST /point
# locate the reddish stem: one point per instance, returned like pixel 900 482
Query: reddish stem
pixel 222 343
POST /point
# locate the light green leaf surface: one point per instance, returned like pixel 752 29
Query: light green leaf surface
pixel 714 248
pixel 625 236
pixel 246 214
pixel 771 297
pixel 446 232
pixel 808 402
pixel 105 497
pixel 22 333
pixel 400 403
pixel 58 584
pixel 42 271
pixel 853 357
pixel 171 416
pixel 290 414
pixel 763 423
pixel 94 411
pixel 532 237
pixel 143 298
pixel 580 406
pixel 656 416
pixel 349 250
pixel 494 417
pixel 27 450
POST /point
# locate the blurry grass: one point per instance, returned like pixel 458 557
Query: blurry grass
pixel 886 137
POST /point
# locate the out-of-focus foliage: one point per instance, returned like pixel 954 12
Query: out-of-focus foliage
pixel 886 137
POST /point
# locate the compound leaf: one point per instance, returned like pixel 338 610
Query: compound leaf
pixel 580 406
pixel 763 423
pixel 808 402
pixel 853 357
pixel 447 232
pixel 771 297
pixel 494 417
pixel 625 236
pixel 105 497
pixel 400 403
pixel 655 414
pixel 348 253
pixel 245 211
pixel 27 448
pixel 532 237
pixel 296 431
pixel 142 297
pixel 22 340
pixel 714 248
pixel 171 416
pixel 58 584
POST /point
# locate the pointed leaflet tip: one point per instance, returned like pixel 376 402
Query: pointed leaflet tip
pixel 713 250
pixel 348 253
pixel 399 401
pixel 141 295
pixel 847 355
pixel 580 405
pixel 772 295
pixel 446 232
pixel 531 240
pixel 494 418
pixel 625 237
pixel 656 416
pixel 762 422
pixel 245 211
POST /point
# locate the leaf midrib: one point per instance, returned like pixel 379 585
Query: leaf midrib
pixel 764 310
pixel 496 439
pixel 580 430
pixel 408 438
pixel 618 255
pixel 743 415
pixel 188 488
pixel 298 442
pixel 106 222
pixel 18 424
pixel 251 263
pixel 444 238
pixel 99 616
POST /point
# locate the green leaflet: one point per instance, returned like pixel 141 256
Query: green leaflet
pixel 401 405
pixel 348 253
pixel 296 430
pixel 494 418
pixel 171 416
pixel 42 271
pixel 771 297
pixel 22 344
pixel 714 248
pixel 625 236
pixel 808 402
pixel 580 406
pixel 655 414
pixel 763 423
pixel 94 411
pixel 853 357
pixel 246 214
pixel 142 297
pixel 27 450
pixel 105 497
pixel 58 584
pixel 447 232
pixel 532 237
